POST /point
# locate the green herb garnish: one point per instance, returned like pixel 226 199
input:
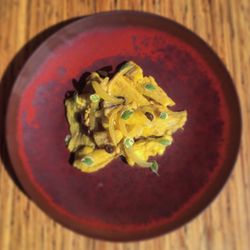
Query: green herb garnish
pixel 149 86
pixel 128 142
pixel 165 142
pixel 94 98
pixel 87 160
pixel 126 114
pixel 163 115
pixel 154 167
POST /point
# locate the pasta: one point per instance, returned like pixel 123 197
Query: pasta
pixel 126 115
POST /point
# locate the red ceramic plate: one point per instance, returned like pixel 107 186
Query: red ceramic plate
pixel 120 202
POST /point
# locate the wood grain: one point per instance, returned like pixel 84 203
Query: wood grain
pixel 225 25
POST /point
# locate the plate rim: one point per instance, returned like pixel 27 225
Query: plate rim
pixel 35 195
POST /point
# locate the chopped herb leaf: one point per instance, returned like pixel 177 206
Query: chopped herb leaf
pixel 87 160
pixel 149 86
pixel 163 115
pixel 165 142
pixel 94 98
pixel 126 114
pixel 154 167
pixel 128 142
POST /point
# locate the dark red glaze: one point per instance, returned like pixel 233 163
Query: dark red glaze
pixel 120 202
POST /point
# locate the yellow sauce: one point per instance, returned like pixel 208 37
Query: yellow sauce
pixel 127 115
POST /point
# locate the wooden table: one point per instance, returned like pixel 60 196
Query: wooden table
pixel 225 25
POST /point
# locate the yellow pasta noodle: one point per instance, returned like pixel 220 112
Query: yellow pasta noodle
pixel 126 115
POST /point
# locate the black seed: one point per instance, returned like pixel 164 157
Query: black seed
pixel 101 104
pixel 109 148
pixel 123 158
pixel 149 116
pixel 102 73
pixel 79 117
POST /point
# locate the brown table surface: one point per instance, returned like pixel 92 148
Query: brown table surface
pixel 225 25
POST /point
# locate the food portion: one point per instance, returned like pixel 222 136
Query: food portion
pixel 125 115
